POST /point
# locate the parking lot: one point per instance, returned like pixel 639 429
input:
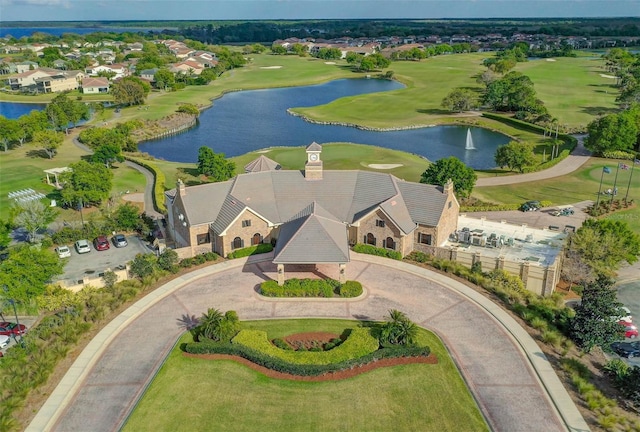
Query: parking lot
pixel 95 262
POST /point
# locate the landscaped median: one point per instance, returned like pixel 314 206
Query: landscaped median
pixel 311 288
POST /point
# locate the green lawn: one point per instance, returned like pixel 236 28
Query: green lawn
pixel 194 394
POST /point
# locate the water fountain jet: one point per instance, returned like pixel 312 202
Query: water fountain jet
pixel 469 143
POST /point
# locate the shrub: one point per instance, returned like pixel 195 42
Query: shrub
pixel 251 250
pixel 280 365
pixel 186 263
pixel 282 344
pixel 210 256
pixel 350 289
pixel 618 154
pixel 359 343
pixel 372 250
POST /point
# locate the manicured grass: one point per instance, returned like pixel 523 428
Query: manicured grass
pixel 578 186
pixel 572 89
pixel 199 394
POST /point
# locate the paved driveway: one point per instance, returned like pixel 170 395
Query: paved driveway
pixel 491 357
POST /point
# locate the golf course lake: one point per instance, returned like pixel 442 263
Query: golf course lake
pixel 246 121
pixel 13 110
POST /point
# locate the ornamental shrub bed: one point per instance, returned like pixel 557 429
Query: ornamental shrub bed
pixel 280 365
pixel 359 343
pixel 251 250
pixel 311 288
pixel 372 250
pixel 350 289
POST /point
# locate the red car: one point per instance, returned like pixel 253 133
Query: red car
pixel 101 243
pixel 630 330
pixel 12 329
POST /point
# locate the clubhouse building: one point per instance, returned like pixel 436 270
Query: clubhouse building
pixel 311 216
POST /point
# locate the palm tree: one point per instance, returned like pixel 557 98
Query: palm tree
pixel 218 327
pixel 398 330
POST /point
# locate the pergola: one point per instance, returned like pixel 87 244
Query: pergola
pixel 55 172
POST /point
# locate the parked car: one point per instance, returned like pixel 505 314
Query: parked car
pixel 563 212
pixel 119 240
pixel 626 349
pixel 63 251
pixel 630 330
pixel 530 206
pixel 82 246
pixel 101 243
pixel 625 314
pixel 12 329
pixel 4 340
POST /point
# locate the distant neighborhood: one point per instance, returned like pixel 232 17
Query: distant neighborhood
pixel 92 67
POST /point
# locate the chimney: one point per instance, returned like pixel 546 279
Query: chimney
pixel 448 187
pixel 181 188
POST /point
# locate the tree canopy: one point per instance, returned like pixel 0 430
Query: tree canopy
pixel 594 323
pixel 214 165
pixel 463 177
pixel 48 140
pixel 33 216
pixel 612 132
pixel 26 271
pixel 515 155
pixel 513 92
pixel 130 91
pixel 87 183
pixel 459 100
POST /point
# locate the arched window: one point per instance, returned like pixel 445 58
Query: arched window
pixel 237 243
pixel 389 243
pixel 256 239
pixel 370 239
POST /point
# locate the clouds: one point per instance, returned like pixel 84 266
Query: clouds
pixel 76 10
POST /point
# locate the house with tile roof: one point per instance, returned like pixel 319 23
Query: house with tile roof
pixel 311 216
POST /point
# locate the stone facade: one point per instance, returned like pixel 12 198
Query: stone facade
pixel 381 227
pixel 250 228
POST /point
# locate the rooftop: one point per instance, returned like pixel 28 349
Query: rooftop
pixel 513 242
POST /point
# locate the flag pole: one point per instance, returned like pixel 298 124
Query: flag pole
pixel 613 192
pixel 604 169
pixel 630 176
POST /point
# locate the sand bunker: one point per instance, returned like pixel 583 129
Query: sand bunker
pixel 329 62
pixel 384 166
pixel 607 76
pixel 551 59
pixel 270 67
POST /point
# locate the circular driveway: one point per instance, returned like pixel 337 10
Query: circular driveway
pixel 508 375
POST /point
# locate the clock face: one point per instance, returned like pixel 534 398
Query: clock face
pixel 313 157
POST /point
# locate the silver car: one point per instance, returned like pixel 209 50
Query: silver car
pixel 82 246
pixel 119 240
pixel 63 251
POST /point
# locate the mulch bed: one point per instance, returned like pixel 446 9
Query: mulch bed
pixel 331 376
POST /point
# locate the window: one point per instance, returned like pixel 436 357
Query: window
pixel 449 205
pixel 388 243
pixel 370 239
pixel 379 223
pixel 246 223
pixel 424 238
pixel 203 238
pixel 237 243
pixel 256 239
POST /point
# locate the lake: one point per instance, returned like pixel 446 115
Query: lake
pixel 14 110
pixel 246 121
pixel 18 32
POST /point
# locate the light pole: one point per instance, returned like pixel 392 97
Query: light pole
pixel 604 170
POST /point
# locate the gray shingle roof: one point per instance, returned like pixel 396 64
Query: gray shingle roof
pixel 425 203
pixel 314 146
pixel 312 238
pixel 202 203
pixel 263 163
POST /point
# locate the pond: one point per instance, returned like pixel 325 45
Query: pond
pixel 246 121
pixel 13 110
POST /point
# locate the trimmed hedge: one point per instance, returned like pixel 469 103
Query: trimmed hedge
pixel 359 343
pixel 372 250
pixel 619 154
pixel 251 250
pixel 350 289
pixel 159 180
pixel 280 365
pixel 299 288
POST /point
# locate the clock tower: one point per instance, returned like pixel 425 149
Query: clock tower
pixel 313 167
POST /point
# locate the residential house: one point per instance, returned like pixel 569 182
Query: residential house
pixel 187 67
pixel 28 78
pixel 119 70
pixel 59 82
pixel 149 74
pixel 60 64
pixel 95 85
pixel 26 65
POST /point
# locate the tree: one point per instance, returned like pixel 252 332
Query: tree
pixel 593 324
pixel 459 100
pixel 398 330
pixel 33 216
pixel 189 109
pixel 31 123
pixel 164 79
pixel 5 234
pixel 218 327
pixel 612 132
pixel 9 131
pixel 168 260
pixel 603 244
pixel 109 278
pixel 63 112
pixel 575 270
pixel 463 177
pixel 143 265
pixel 130 91
pixel 515 155
pixel 27 270
pixel 86 183
pixel 107 154
pixel 49 141
pixel 513 92
pixel 278 49
pixel 127 217
pixel 215 165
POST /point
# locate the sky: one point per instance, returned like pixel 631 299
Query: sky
pixel 92 10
